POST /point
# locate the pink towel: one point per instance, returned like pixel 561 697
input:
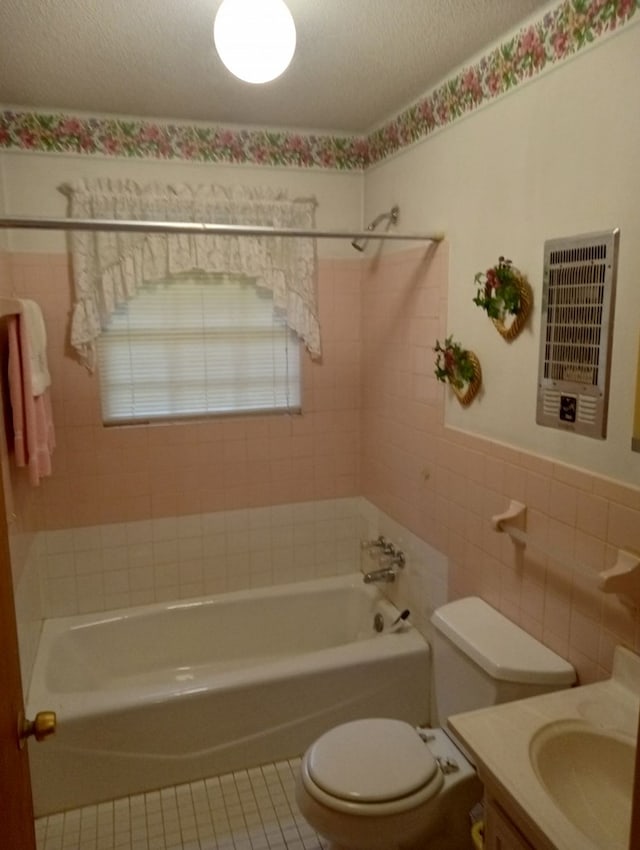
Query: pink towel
pixel 33 433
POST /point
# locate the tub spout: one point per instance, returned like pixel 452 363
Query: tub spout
pixel 386 574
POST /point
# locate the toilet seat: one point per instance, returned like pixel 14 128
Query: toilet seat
pixel 374 766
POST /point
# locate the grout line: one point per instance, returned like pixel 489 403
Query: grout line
pixel 253 809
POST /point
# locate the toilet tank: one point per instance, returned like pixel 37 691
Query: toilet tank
pixel 480 658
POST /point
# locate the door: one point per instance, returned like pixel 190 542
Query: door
pixel 634 841
pixel 16 806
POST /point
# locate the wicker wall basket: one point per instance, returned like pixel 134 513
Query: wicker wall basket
pixel 466 394
pixel 510 329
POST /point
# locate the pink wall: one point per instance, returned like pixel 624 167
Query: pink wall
pixel 445 485
pixel 125 474
pixel 372 426
pixel 403 312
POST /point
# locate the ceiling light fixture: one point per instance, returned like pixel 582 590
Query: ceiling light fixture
pixel 255 39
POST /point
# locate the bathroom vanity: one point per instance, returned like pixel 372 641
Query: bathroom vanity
pixel 501 833
pixel 558 769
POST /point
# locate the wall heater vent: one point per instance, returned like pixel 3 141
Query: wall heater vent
pixel 575 339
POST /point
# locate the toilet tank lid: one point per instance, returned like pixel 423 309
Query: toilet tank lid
pixel 503 650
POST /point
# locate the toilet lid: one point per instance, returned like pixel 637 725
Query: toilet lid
pixel 371 761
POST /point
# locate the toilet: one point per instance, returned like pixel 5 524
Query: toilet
pixel 381 784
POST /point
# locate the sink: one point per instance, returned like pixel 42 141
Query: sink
pixel 588 773
pixel 561 764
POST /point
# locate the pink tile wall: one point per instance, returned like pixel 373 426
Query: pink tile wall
pixel 445 486
pixel 128 474
pixel 403 310
pixel 372 426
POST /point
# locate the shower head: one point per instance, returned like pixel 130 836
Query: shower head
pixel 391 216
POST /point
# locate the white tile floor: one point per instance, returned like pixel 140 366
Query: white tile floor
pixel 251 809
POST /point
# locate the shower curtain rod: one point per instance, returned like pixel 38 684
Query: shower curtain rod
pixel 210 229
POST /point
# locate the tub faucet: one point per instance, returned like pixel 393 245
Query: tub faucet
pixel 388 558
pixel 380 543
pixel 395 558
pixel 385 574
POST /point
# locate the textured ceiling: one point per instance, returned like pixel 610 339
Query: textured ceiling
pixel 357 62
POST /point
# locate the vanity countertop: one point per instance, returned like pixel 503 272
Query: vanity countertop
pixel 499 741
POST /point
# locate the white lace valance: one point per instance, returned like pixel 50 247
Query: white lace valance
pixel 109 267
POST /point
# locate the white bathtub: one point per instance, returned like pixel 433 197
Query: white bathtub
pixel 168 693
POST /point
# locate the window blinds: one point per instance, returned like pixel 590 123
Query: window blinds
pixel 197 346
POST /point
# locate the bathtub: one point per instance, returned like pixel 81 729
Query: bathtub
pixel 168 693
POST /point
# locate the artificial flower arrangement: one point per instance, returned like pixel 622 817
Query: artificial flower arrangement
pixel 459 368
pixel 506 297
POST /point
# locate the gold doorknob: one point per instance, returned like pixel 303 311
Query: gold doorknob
pixel 41 727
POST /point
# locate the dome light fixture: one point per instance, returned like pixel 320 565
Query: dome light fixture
pixel 255 39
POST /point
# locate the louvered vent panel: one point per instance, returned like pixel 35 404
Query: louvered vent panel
pixel 575 342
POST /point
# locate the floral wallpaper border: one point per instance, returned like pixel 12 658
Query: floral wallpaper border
pixel 559 34
pixel 138 138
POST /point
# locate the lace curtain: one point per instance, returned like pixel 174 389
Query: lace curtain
pixel 108 267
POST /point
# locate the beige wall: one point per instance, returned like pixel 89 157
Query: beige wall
pixel 31 182
pixel 555 157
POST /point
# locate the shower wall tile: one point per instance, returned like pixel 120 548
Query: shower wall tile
pixel 112 566
pixel 422 585
pixel 131 474
pixel 238 550
pixel 372 428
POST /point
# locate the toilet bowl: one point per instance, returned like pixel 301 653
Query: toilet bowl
pixel 381 784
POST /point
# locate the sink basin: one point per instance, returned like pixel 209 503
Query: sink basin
pixel 588 774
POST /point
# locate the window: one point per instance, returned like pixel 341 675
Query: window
pixel 197 346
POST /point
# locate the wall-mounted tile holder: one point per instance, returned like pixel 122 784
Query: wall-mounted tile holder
pixel 623 578
pixel 514 517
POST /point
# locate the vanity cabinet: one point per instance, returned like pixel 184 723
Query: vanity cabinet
pixel 500 833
